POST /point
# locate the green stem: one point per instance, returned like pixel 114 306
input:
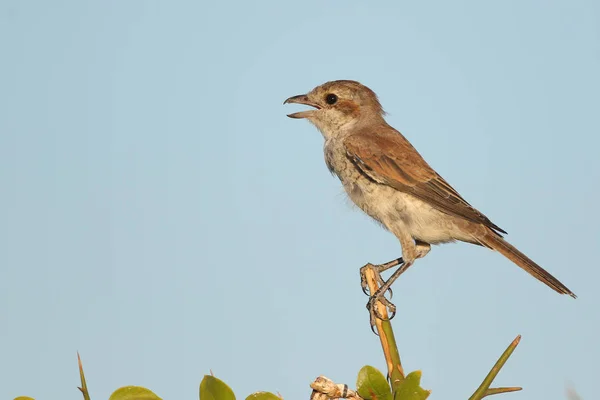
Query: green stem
pixel 83 388
pixel 484 389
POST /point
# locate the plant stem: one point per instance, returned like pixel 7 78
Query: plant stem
pixel 83 388
pixel 484 389
pixel 386 335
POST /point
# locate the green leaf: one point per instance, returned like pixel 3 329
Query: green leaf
pixel 263 396
pixel 212 388
pixel 28 398
pixel 133 393
pixel 371 384
pixel 410 388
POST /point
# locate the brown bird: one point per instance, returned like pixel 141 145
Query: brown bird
pixel 385 176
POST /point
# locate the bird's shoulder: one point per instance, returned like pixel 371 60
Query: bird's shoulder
pixel 387 150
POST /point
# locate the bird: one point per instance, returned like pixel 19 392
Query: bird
pixel 386 177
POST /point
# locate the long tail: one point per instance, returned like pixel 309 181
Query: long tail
pixel 497 243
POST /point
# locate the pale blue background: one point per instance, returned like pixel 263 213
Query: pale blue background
pixel 161 215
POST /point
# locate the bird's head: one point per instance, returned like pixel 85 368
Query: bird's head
pixel 338 106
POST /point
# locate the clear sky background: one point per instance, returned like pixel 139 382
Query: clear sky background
pixel 160 214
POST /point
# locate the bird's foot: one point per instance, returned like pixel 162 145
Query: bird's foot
pixel 374 311
pixel 378 269
pixel 363 277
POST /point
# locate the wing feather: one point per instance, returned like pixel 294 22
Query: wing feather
pixel 391 160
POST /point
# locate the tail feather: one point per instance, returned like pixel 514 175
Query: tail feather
pixel 497 243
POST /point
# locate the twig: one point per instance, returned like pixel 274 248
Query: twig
pixel 484 389
pixel 83 388
pixel 324 389
pixel 386 335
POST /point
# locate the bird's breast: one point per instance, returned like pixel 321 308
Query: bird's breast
pixel 369 196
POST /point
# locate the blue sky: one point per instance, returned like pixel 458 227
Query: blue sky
pixel 161 215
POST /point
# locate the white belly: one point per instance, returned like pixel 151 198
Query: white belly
pixel 401 212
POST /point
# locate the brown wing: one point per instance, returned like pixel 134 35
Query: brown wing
pixel 391 160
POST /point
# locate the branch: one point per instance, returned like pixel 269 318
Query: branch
pixel 83 388
pixel 324 389
pixel 386 335
pixel 484 389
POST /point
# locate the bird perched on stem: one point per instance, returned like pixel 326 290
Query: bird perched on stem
pixel 385 176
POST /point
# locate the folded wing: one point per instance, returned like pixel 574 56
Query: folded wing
pixel 391 160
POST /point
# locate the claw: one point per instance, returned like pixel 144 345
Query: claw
pixel 393 312
pixel 390 306
pixel 373 327
pixel 372 318
pixel 374 311
pixel 363 279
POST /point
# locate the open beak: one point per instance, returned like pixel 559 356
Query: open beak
pixel 302 99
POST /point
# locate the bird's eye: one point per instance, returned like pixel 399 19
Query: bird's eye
pixel 331 98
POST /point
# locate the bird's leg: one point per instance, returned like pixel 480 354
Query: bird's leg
pixel 378 269
pixel 411 251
